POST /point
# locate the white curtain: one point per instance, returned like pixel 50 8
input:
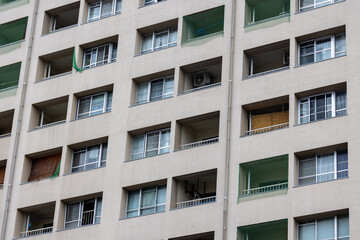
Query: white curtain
pixel 142 93
pixel 106 8
pixel 325 164
pixel 146 45
pixel 138 147
pixel 161 40
pixel 169 86
pixel 165 141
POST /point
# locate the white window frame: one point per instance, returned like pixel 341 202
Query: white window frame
pixel 151 2
pixel 88 114
pixel 314 41
pixel 335 172
pixel 333 106
pixel 164 95
pixel 316 5
pixel 85 150
pixel 81 211
pixel 315 223
pixel 145 150
pixel 140 198
pixel 153 34
pixel 94 50
pixel 99 4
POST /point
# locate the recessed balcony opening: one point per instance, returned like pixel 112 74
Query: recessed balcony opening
pixel 12 32
pixel 266 59
pixel 6 122
pixel 194 189
pixel 42 165
pixel 62 17
pixel 2 173
pixel 259 11
pixel 263 176
pixel 55 64
pixel 276 229
pixel 36 220
pixel 200 236
pixel 9 76
pixel 266 116
pixel 200 76
pixel 49 113
pixel 197 131
pixel 203 24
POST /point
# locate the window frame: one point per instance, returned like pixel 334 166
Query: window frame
pixel 333 52
pixel 316 5
pixel 153 34
pixel 333 106
pixel 100 3
pixel 99 162
pixel 151 2
pixel 163 95
pixel 139 209
pixel 315 157
pixel 105 103
pixel 112 51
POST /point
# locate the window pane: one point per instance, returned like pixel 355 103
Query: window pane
pixel 148 197
pixel 73 211
pixel 307 167
pixel 325 163
pixel 137 147
pixel 323 55
pixel 132 213
pixel 152 141
pixel 147 211
pixel 343 226
pixel 340 45
pixel 308 180
pixel 106 8
pixel 94 11
pixel 142 93
pixel 320 107
pixel 87 61
pixel 161 195
pixel 161 40
pixel 306 3
pixel 307 232
pixel 133 201
pixel 146 45
pixel 97 105
pixel 165 138
pixel 118 6
pixel 79 159
pixel 156 90
pixel 307 59
pixel 169 86
pixel 160 208
pixel 104 151
pixel 341 102
pixel 109 101
pixel 93 154
pixel 325 228
pixel 100 55
pixel 84 105
pixel 173 36
pixel 98 210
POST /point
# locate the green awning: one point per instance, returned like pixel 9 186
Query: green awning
pixel 13 31
pixel 9 76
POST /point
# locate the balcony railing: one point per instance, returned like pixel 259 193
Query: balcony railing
pixel 268 72
pixel 266 129
pixel 196 202
pixel 36 232
pixel 199 143
pixel 88 217
pixel 201 88
pixel 270 188
pixel 50 124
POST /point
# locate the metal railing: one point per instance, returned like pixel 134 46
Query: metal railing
pixel 265 189
pixel 266 129
pixel 36 232
pixel 50 124
pixel 87 217
pixel 199 143
pixel 196 202
pixel 268 72
pixel 201 88
pixel 281 15
pixel 5 135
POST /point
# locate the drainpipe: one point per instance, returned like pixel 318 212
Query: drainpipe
pixel 228 121
pixel 18 124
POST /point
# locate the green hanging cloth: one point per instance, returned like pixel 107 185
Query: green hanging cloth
pixel 75 65
pixel 57 171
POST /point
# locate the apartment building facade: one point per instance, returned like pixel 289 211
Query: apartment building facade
pixel 174 120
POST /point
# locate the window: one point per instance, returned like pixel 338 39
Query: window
pixel 155 90
pixel 103 8
pixel 322 48
pixel 89 158
pixel 158 40
pixel 323 167
pixel 100 55
pixel 151 144
pixel 148 2
pixel 310 4
pixel 94 105
pixel 334 228
pixel 83 213
pixel 322 106
pixel 146 201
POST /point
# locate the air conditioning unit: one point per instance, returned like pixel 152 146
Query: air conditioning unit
pixel 202 78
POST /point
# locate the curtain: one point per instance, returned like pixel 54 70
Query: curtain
pixel 94 11
pixel 307 170
pixel 92 157
pixel 340 45
pixel 325 229
pixel 152 143
pixel 148 200
pixel 341 102
pixel 161 39
pixel 323 49
pixel 169 86
pixel 78 160
pixel 84 106
pixel 97 104
pixel 325 164
pixel 165 141
pixel 142 93
pixel 304 111
pixel 156 90
pixel 146 43
pixel 137 147
pixel 101 54
pixel 106 8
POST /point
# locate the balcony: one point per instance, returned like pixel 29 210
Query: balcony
pixel 200 76
pixel 41 165
pixel 276 229
pixel 265 116
pixel 197 131
pixel 61 18
pixel 194 189
pixel 200 236
pixel 266 176
pixel 36 220
pixel 11 34
pixel 6 122
pixel 49 113
pixel 203 25
pixel 266 13
pixel 266 59
pixel 9 77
